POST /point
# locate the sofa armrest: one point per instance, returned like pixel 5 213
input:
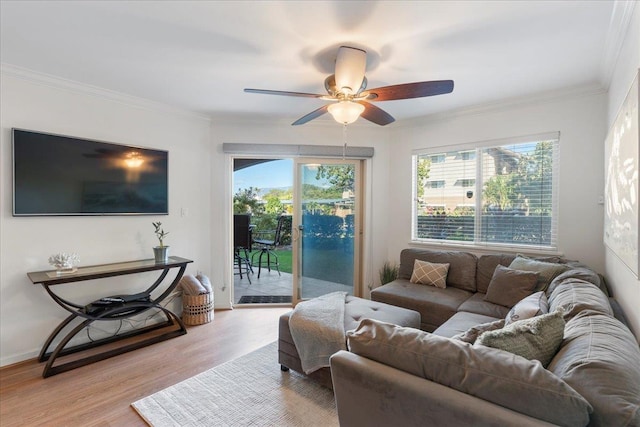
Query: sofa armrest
pixel 369 393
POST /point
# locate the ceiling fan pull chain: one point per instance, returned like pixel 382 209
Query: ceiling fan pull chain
pixel 344 139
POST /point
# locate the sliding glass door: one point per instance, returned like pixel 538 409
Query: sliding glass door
pixel 326 224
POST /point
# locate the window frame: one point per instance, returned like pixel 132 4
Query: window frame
pixel 552 248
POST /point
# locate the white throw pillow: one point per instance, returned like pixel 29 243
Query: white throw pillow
pixel 531 306
pixel 428 273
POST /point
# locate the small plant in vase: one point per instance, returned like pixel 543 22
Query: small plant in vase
pixel 161 252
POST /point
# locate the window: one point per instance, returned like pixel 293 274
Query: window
pixel 435 183
pixel 466 182
pixel 437 158
pixel 468 155
pixel 500 193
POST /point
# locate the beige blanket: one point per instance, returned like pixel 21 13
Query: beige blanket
pixel 317 328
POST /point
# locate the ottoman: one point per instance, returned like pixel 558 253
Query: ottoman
pixel 355 309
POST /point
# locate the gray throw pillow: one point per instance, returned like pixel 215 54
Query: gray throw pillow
pixel 508 286
pixel 531 306
pixel 496 376
pixel 537 338
pixel 547 271
pixel 471 334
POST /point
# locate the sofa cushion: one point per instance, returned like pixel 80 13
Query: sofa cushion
pixel 356 309
pixel 531 306
pixel 495 376
pixel 472 334
pixel 486 266
pixel 537 338
pixel 547 270
pixel 508 286
pixel 581 273
pixel 575 295
pixel 435 305
pixel 600 359
pixel 477 304
pixel 460 322
pixel 429 273
pixel 462 268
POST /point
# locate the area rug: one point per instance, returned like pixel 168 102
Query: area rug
pixel 264 299
pixel 248 391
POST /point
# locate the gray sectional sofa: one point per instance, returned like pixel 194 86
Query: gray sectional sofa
pixel 405 376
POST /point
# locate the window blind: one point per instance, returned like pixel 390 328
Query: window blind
pixel 501 194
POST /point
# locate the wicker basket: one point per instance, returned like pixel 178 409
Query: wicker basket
pixel 197 309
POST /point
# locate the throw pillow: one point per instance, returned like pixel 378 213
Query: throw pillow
pixel 496 376
pixel 471 334
pixel 428 273
pixel 531 306
pixel 508 286
pixel 547 271
pixel 537 338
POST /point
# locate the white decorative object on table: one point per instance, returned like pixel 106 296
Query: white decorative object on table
pixel 64 262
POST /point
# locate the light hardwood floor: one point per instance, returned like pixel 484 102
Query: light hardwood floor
pixel 100 394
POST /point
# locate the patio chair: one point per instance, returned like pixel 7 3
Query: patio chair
pixel 268 241
pixel 242 240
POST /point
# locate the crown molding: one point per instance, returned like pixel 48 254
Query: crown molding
pixel 618 29
pixel 508 104
pixel 60 83
pixel 238 118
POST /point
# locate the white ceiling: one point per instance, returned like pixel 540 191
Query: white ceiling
pixel 199 55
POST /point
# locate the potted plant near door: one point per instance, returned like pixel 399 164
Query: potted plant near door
pixel 388 273
pixel 161 252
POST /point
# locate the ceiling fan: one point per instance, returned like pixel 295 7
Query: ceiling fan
pixel 347 89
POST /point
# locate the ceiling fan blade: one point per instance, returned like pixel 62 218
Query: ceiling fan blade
pixel 283 93
pixel 411 90
pixel 351 64
pixel 375 114
pixel 312 115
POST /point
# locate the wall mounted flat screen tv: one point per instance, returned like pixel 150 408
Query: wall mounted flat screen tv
pixel 64 175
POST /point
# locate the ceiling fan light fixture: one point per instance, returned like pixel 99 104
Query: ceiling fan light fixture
pixel 350 68
pixel 345 112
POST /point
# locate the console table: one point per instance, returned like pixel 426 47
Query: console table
pixel 99 311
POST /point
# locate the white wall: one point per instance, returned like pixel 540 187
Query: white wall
pixel 27 313
pixel 581 122
pixel 320 132
pixel 626 286
pixel 200 182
